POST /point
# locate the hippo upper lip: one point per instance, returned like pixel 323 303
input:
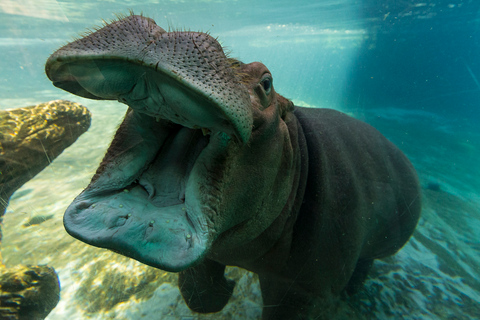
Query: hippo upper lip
pixel 145 90
pixel 181 76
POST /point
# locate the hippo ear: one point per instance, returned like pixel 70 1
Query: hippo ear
pixel 284 106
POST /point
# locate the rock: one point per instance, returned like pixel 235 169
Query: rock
pixel 28 292
pixel 30 139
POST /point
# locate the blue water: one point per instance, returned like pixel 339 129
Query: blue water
pixel 410 68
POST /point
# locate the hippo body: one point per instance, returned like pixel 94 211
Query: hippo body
pixel 357 200
pixel 211 167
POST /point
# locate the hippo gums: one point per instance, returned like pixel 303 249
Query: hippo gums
pixel 211 167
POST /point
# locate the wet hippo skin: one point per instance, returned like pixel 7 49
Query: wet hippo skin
pixel 211 167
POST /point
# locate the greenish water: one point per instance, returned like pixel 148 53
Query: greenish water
pixel 409 69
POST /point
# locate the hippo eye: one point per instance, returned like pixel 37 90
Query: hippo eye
pixel 267 84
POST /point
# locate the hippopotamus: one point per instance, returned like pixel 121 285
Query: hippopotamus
pixel 212 167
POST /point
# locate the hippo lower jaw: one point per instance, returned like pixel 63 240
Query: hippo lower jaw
pixel 157 209
pixel 153 203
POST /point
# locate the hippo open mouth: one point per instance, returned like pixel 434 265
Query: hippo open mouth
pixel 152 205
pixel 155 195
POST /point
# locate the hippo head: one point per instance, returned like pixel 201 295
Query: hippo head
pixel 203 160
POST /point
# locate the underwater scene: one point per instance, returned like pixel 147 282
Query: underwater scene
pixel 244 180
